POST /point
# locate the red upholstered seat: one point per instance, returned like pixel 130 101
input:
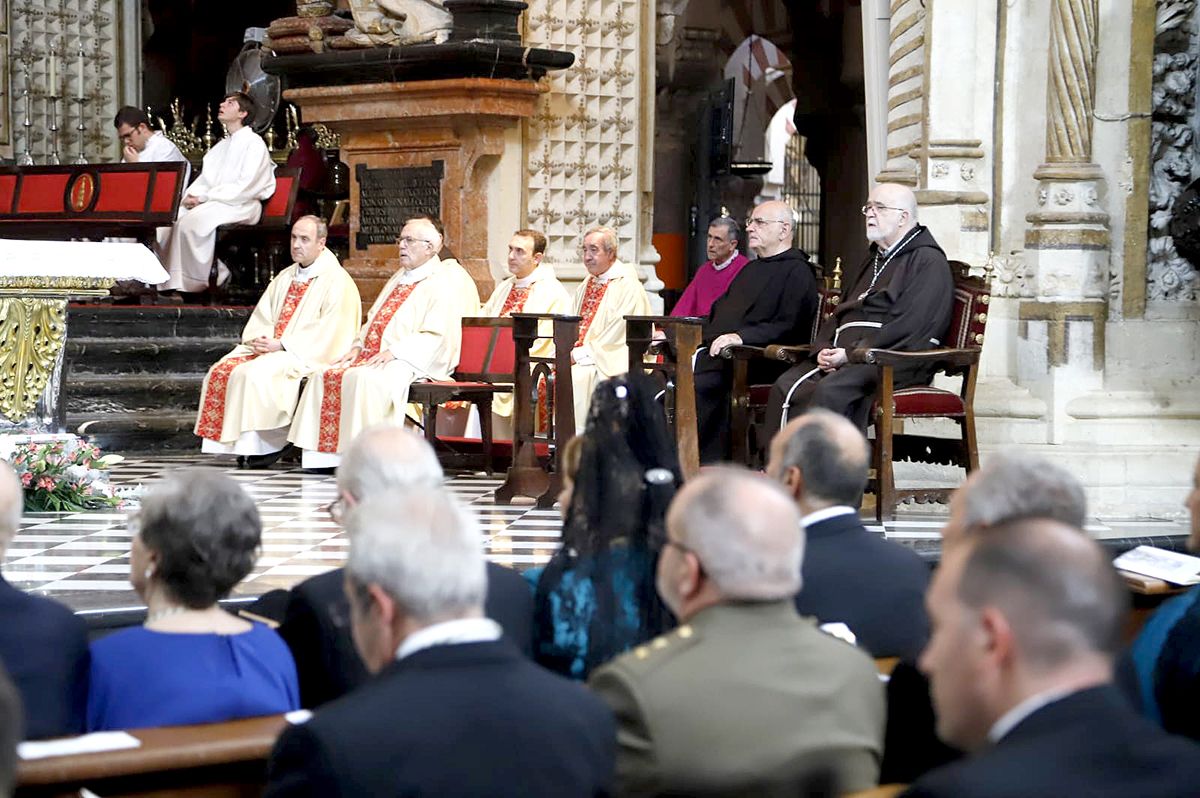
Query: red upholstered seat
pixel 927 401
pixel 759 395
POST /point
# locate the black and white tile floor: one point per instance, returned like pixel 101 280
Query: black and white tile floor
pixel 82 559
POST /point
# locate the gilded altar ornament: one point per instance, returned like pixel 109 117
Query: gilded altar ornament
pixel 32 332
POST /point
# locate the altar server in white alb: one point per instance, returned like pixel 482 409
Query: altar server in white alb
pixel 236 176
pixel 307 317
pixel 141 144
pixel 531 287
pixel 413 332
pixel 611 292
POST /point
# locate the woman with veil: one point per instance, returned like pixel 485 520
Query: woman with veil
pixel 596 597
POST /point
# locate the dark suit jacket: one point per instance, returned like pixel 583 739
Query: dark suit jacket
pixel 772 300
pixel 911 747
pixel 316 628
pixel 872 585
pixel 470 719
pixel 44 648
pixel 1090 743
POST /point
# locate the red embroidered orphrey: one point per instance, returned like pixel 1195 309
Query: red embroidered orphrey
pixel 591 302
pixel 216 384
pixel 515 301
pixel 331 397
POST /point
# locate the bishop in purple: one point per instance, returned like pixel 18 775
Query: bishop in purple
pixel 713 278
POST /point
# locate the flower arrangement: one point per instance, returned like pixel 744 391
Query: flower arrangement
pixel 64 476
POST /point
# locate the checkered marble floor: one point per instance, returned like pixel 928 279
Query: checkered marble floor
pixel 82 559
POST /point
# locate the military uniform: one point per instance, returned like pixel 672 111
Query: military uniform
pixel 747 697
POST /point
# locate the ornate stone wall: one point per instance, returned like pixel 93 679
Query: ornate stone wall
pixel 69 25
pixel 1173 143
pixel 590 146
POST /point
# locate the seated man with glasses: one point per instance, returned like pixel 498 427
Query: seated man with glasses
pixel 771 300
pixel 412 332
pixel 902 299
pixel 611 292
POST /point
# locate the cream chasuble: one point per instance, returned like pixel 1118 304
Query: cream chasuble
pixel 604 339
pixel 315 317
pixel 418 319
pixel 465 286
pixel 540 292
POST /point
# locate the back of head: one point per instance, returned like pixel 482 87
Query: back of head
pixel 744 530
pixel 423 548
pixel 11 501
pixel 206 532
pixel 832 455
pixel 1010 487
pixel 1056 587
pixel 383 458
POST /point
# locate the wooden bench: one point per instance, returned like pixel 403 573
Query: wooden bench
pixel 675 367
pixel 218 760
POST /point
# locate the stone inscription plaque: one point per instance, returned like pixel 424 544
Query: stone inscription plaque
pixel 386 197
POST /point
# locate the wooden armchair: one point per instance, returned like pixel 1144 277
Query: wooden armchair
pixel 683 337
pixel 531 447
pixel 272 225
pixel 486 366
pixel 960 357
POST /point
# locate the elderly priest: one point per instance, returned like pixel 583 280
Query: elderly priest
pixel 412 332
pixel 306 318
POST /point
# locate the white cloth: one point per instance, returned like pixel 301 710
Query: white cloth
pixel 237 175
pixel 447 633
pixel 108 259
pixel 723 265
pixel 825 514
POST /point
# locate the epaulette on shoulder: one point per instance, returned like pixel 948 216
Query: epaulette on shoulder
pixel 654 652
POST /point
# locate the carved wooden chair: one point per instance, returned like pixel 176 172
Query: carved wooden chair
pixel 674 364
pixel 535 470
pixel 960 357
pixel 486 366
pixel 234 240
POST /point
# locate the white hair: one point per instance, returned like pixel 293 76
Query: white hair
pixel 386 457
pixel 423 548
pixel 608 238
pixel 11 500
pixel 1012 486
pixel 744 530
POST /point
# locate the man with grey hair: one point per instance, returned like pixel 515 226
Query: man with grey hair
pixel 902 299
pixel 1027 618
pixel 611 292
pixel 43 645
pixel 452 710
pixel 789 700
pixel 851 575
pixel 714 276
pixel 316 624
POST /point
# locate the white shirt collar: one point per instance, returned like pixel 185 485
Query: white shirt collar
pixel 418 274
pixel 720 267
pixel 1009 720
pixel 825 514
pixel 306 273
pixel 448 633
pixel 611 274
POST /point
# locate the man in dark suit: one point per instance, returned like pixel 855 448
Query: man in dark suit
pixel 43 645
pixel 772 300
pixel 853 576
pixel 1027 619
pixel 453 709
pixel 1009 487
pixel 316 625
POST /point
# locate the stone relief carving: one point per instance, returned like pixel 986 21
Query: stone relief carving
pixel 940 170
pixel 391 22
pixel 1064 196
pixel 966 171
pixel 1172 146
pixel 1010 277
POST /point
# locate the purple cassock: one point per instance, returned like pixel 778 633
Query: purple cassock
pixel 707 287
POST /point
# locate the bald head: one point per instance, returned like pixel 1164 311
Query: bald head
pixel 1011 487
pixel 822 459
pixel 745 532
pixel 769 228
pixel 386 458
pixel 891 212
pixel 11 500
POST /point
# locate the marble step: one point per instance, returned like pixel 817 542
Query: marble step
pixel 89 355
pixel 155 323
pixel 150 431
pixel 132 393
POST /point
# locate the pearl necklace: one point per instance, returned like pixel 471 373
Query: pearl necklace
pixel 877 270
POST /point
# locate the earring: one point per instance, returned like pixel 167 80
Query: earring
pixel 149 572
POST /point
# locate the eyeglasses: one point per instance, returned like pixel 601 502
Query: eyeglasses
pixel 875 206
pixel 409 241
pixel 758 222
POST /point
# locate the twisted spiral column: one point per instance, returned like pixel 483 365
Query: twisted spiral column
pixel 1072 80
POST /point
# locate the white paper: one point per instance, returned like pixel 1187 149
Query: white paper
pixel 118 261
pixel 1169 566
pixel 95 742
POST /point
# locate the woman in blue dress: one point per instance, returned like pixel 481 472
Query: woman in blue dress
pixel 195 537
pixel 596 597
